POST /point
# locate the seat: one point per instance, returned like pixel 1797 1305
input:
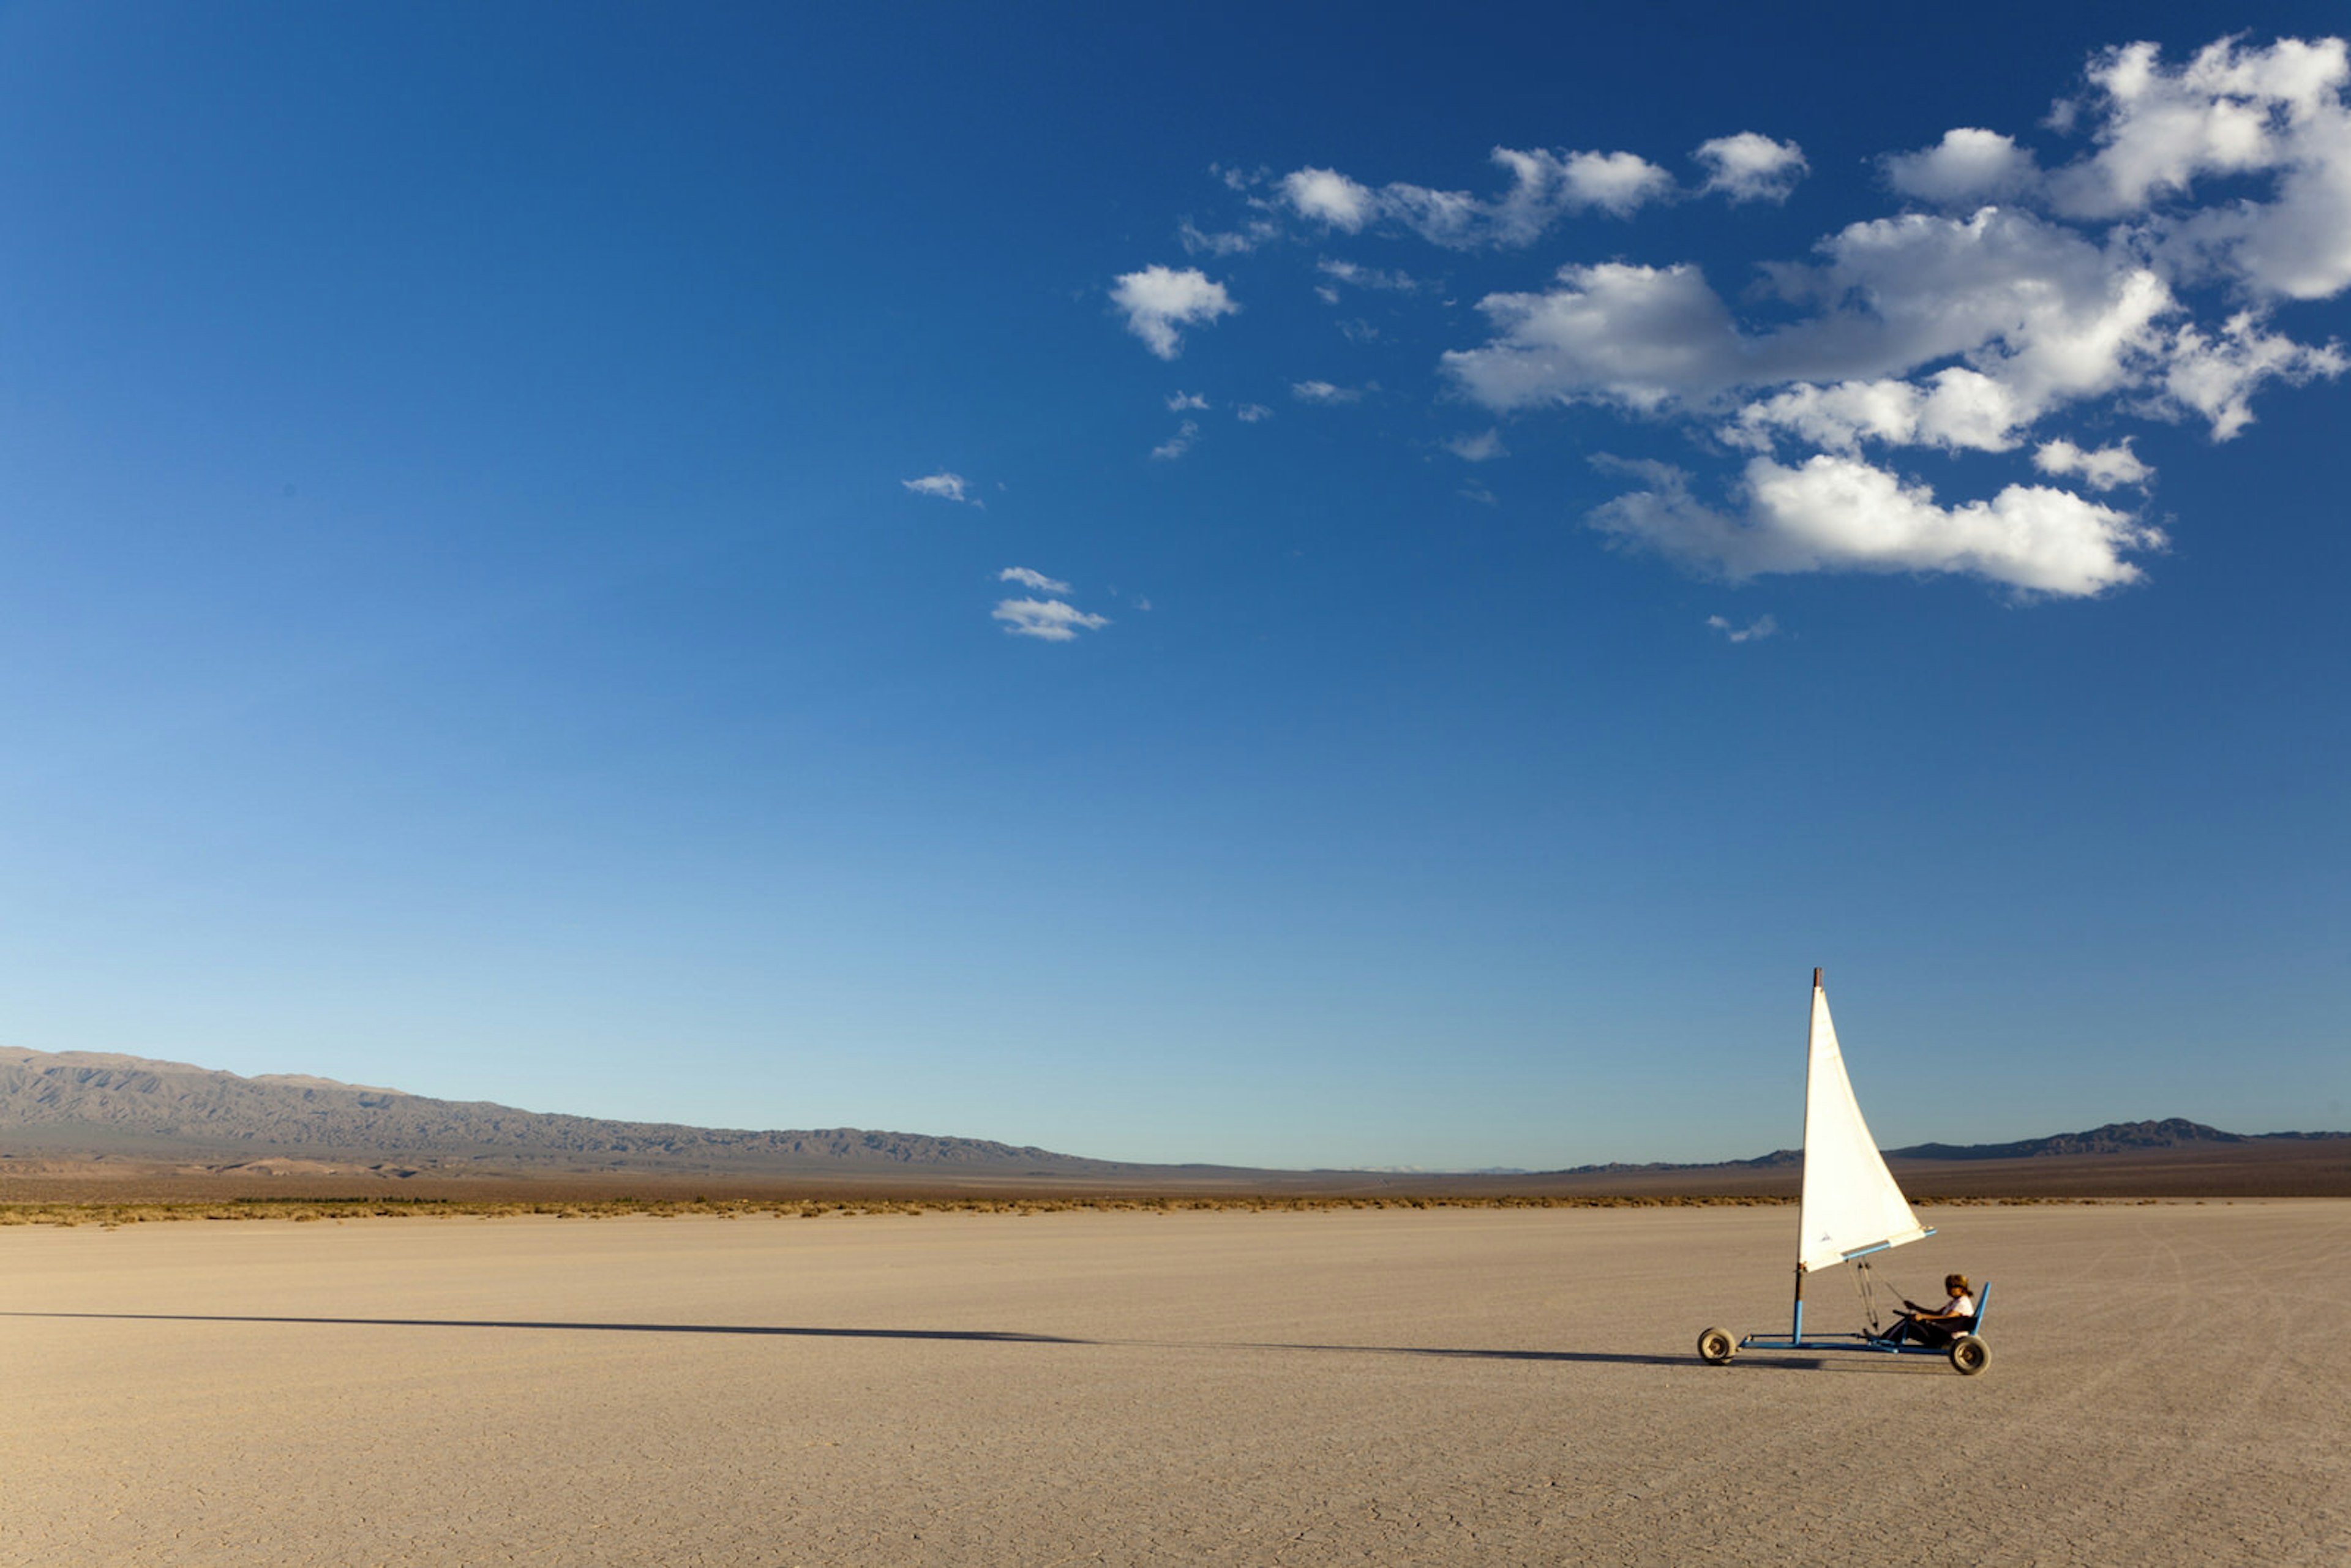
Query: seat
pixel 1960 1330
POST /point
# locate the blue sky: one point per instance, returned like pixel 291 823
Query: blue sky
pixel 1339 587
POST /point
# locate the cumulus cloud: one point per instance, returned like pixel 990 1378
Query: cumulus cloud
pixel 1970 166
pixel 1482 447
pixel 2216 374
pixel 1180 443
pixel 1328 197
pixel 2041 318
pixel 1178 402
pixel 1840 514
pixel 1953 409
pixel 1969 330
pixel 1619 184
pixel 1751 167
pixel 945 486
pixel 2139 260
pixel 1755 631
pixel 2276 115
pixel 1048 620
pixel 1160 299
pixel 2229 111
pixel 1324 392
pixel 2102 469
pixel 1617 332
pixel 1545 186
pixel 1250 413
pixel 1029 578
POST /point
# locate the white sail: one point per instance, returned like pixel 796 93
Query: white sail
pixel 1851 1205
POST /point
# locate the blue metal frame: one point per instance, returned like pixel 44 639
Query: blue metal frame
pixel 1794 1339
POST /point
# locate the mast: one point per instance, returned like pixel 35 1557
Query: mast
pixel 1796 1322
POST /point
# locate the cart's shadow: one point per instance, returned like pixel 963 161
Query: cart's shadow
pixel 983 1337
pixel 964 1336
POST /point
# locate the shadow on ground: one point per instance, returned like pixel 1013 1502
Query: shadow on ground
pixel 980 1335
pixel 970 1336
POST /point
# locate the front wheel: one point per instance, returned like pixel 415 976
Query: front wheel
pixel 1716 1346
pixel 1969 1354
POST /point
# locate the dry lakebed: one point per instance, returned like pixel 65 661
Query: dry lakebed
pixel 2169 1384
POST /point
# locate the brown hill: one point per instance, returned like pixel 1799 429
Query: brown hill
pixel 2114 1138
pixel 88 1104
pixel 80 1123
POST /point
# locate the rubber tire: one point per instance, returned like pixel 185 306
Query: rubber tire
pixel 1969 1354
pixel 1716 1347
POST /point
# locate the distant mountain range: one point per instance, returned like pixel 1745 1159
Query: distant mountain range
pixel 2114 1138
pixel 86 1102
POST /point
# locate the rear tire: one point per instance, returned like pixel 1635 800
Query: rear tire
pixel 1969 1354
pixel 1716 1346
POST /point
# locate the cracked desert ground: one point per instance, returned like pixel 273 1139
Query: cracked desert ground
pixel 2169 1385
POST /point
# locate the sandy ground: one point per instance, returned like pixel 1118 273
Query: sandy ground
pixel 2169 1385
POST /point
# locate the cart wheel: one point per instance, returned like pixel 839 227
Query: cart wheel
pixel 1969 1354
pixel 1716 1346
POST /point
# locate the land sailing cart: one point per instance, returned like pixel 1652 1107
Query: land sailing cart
pixel 1850 1210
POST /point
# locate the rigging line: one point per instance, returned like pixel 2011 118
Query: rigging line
pixel 1895 1298
pixel 1862 1279
pixel 1897 1294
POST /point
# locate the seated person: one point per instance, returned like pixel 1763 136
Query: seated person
pixel 1921 1326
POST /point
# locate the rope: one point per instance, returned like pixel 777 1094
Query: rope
pixel 1863 1279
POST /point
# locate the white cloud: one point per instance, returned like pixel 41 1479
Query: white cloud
pixel 1329 197
pixel 1027 578
pixel 1954 409
pixel 1178 402
pixel 1177 445
pixel 1641 336
pixel 2102 469
pixel 1229 242
pixel 1968 166
pixel 1544 187
pixel 1755 631
pixel 1159 299
pixel 2028 295
pixel 2229 111
pixel 1250 413
pixel 2274 114
pixel 1482 447
pixel 1049 620
pixel 1366 277
pixel 1839 514
pixel 945 486
pixel 2040 315
pixel 1970 331
pixel 1751 167
pixel 1324 392
pixel 1618 184
pixel 2216 374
